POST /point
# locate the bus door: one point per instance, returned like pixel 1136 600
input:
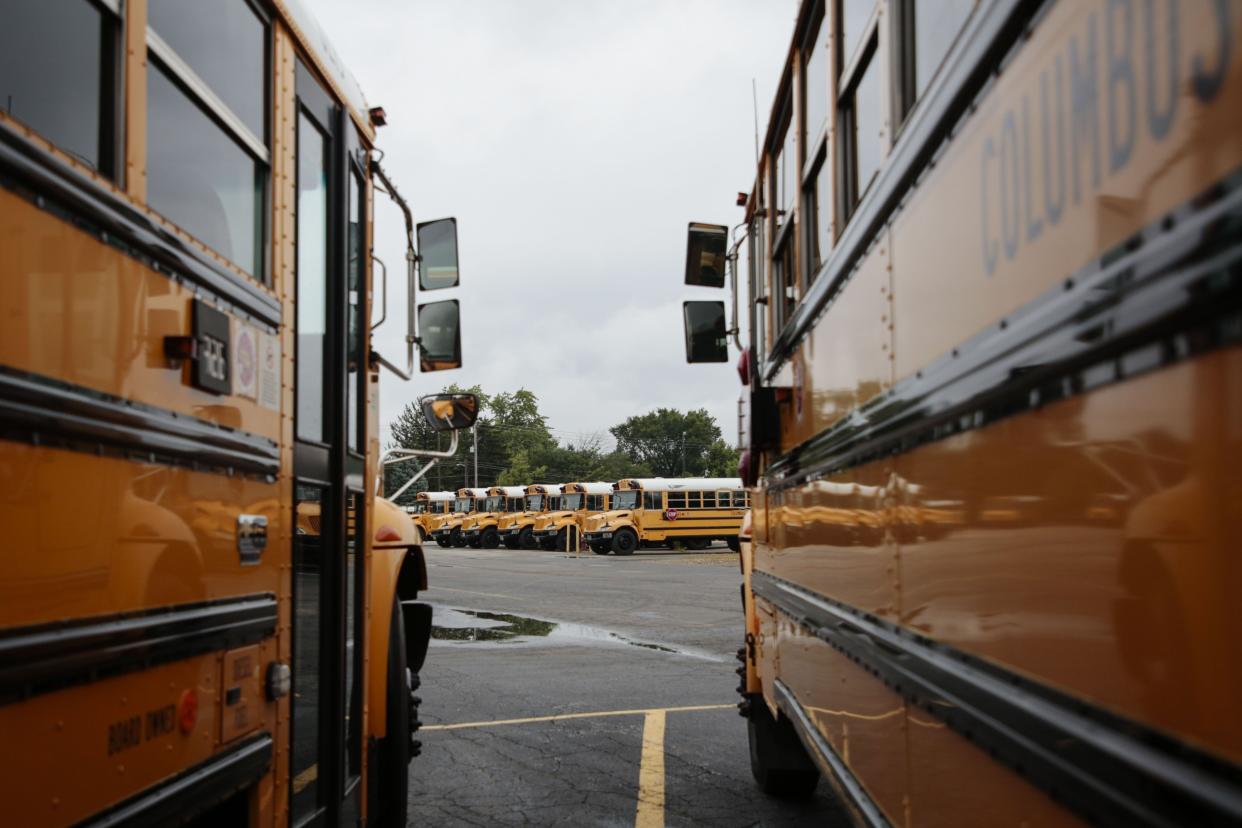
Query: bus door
pixel 328 463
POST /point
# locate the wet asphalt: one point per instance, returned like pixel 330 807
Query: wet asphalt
pixel 525 637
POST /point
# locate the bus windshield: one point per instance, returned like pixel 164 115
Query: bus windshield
pixel 534 502
pixel 625 500
pixel 571 501
pixel 489 504
pixel 463 504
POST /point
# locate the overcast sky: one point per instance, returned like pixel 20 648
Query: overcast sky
pixel 573 141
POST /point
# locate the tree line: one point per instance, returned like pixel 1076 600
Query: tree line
pixel 517 447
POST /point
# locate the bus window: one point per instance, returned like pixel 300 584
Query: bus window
pixel 935 28
pixel 571 501
pixel 651 500
pixel 676 500
pixel 55 76
pixel 595 503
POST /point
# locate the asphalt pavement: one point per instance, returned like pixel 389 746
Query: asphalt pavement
pixel 588 691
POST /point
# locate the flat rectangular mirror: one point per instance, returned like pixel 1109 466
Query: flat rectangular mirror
pixel 706 336
pixel 439 332
pixel 437 254
pixel 450 412
pixel 706 249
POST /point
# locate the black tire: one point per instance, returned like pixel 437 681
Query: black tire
pixel 698 544
pixel 511 543
pixel 600 548
pixel 526 538
pixel 624 542
pixel 474 543
pixel 457 539
pixel 393 774
pixel 734 543
pixel 447 543
pixel 778 760
pixel 548 544
pixel 489 538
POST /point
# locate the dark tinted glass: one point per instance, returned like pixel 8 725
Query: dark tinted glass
pixel 705 332
pixel 815 85
pixel 226 45
pixel 437 250
pixel 51 72
pixel 706 249
pixel 307 565
pixel 357 398
pixel 868 122
pixel 936 25
pixel 355 576
pixel 312 291
pixel 854 16
pixel 819 216
pixel 200 179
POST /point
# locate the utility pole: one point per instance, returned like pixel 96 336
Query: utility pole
pixel 683 454
pixel 475 451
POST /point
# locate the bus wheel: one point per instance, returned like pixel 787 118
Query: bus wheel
pixel 511 543
pixel 734 543
pixel 474 543
pixel 457 539
pixel 698 544
pixel 778 761
pixel 393 774
pixel 548 544
pixel 490 538
pixel 624 542
pixel 600 548
pixel 526 538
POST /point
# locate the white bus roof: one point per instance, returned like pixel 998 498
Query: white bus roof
pixel 434 496
pixel 507 491
pixel 598 487
pixel 670 484
pixel 544 488
pixel 471 492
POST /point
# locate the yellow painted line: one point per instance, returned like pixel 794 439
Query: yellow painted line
pixel 594 715
pixel 305 778
pixel 650 813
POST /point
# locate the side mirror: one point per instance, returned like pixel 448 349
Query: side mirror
pixel 705 254
pixel 450 412
pixel 439 331
pixel 437 254
pixel 706 337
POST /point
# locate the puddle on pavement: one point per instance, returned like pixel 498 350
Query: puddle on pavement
pixel 462 626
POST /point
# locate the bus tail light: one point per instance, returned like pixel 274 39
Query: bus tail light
pixel 743 366
pixel 746 468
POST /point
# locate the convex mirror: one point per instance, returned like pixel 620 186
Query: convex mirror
pixel 449 412
pixel 706 337
pixel 705 254
pixel 439 335
pixel 437 254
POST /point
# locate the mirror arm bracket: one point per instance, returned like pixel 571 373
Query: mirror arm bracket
pixel 411 260
pixel 400 455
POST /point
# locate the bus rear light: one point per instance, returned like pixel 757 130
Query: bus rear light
pixel 187 711
pixel 746 468
pixel 387 533
pixel 743 366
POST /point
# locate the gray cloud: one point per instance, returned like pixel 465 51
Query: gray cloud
pixel 573 141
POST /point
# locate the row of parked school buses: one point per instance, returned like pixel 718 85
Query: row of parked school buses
pixel 606 517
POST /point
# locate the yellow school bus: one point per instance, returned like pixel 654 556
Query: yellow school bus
pixel 517 528
pixel 483 529
pixel 426 506
pixel 689 511
pixel 447 529
pixel 578 501
pixel 993 396
pixel 226 630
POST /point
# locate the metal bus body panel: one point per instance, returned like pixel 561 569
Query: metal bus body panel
pixel 109 337
pixel 1065 209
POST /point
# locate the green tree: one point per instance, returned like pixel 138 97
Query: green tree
pixel 673 444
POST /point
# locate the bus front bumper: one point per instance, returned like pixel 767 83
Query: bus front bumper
pixel 594 537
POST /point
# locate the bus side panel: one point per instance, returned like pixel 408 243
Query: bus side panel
pixel 1103 122
pixel 1098 552
pixel 82 312
pixel 847 358
pixel 829 537
pixel 103 535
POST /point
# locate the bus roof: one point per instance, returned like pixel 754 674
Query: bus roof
pixel 598 487
pixel 543 488
pixel 434 496
pixel 308 30
pixel 507 491
pixel 471 492
pixel 664 484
